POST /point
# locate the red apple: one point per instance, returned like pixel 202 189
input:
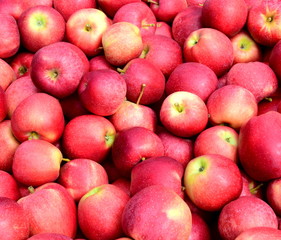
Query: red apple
pixel 48 236
pixel 274 57
pixel 270 103
pixel 200 229
pixel 21 64
pixel 3 105
pixel 99 62
pixel 273 194
pixel 163 28
pixel 251 187
pixel 123 183
pixel 259 233
pixel 9 187
pixel 7 74
pixel 184 114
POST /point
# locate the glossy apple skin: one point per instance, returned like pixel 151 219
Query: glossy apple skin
pixel 21 64
pixel 273 59
pixel 200 229
pixel 163 28
pixel 13 220
pixel 99 62
pixel 9 187
pixel 204 169
pixel 265 154
pixel 100 212
pixel 245 213
pixel 7 74
pixel 3 105
pixel 259 233
pixel 173 215
pixel 48 236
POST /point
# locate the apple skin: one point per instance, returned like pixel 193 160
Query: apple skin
pixel 141 71
pixel 221 140
pixel 210 47
pixel 228 17
pixel 13 220
pixel 200 229
pixel 36 162
pixel 9 187
pixel 123 183
pixel 88 136
pixel 48 236
pixel 81 175
pixel 264 22
pixel 51 209
pixel 3 105
pixel 273 59
pixel 100 212
pixel 184 114
pixel 259 233
pixel 270 103
pixel 185 22
pixel 195 2
pixel 261 79
pixel 261 160
pixel 38 116
pixel 163 28
pixel 10 36
pixel 7 74
pixel 84 29
pixel 40 26
pixel 252 187
pixel 245 213
pixel 51 73
pixel 134 145
pixel 99 62
pixel 273 195
pixel 224 175
pixel 192 77
pixel 130 114
pixel 232 105
pixel 21 63
pixel 122 42
pixel 162 170
pixel 173 215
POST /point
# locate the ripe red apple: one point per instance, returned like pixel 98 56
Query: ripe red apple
pixel 48 236
pixel 252 187
pixel 134 145
pixel 100 212
pixel 40 26
pixel 7 74
pixel 245 213
pixel 232 105
pixel 123 183
pixel 270 103
pixel 221 172
pixel 9 187
pixel 173 219
pixel 273 59
pixel 259 233
pixel 184 114
pixel 21 64
pixel 261 160
pixel 88 136
pixel 84 29
pixel 52 73
pixel 38 116
pixel 9 37
pixel 163 28
pixel 122 42
pixel 99 62
pixel 273 195
pixel 192 77
pixel 200 229
pixel 3 105
pixel 13 222
pixel 210 47
pixel 79 176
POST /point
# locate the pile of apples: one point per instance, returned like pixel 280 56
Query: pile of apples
pixel 144 120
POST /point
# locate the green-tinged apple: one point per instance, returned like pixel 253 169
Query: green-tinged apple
pixel 3 105
pixel 79 176
pixel 221 140
pixel 40 26
pixel 210 47
pixel 273 195
pixel 259 233
pixel 192 77
pixel 21 63
pixel 163 28
pixel 13 222
pixel 200 229
pixel 7 74
pixel 88 136
pixel 232 105
pixel 219 171
pixel 9 187
pixel 122 42
pixel 38 116
pixel 100 212
pixel 184 114
pixel 133 146
pixel 157 212
pixel 244 213
pixel 84 29
pixel 261 159
pixel 49 236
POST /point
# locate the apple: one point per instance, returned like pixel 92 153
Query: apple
pixel 50 209
pixel 21 64
pixel 252 187
pixel 260 159
pixel 13 222
pixel 173 219
pixel 79 176
pixel 232 105
pixel 48 236
pixel 7 74
pixel 40 26
pixel 184 114
pixel 273 195
pixel 264 22
pixel 273 61
pixel 200 229
pixel 139 14
pixel 100 212
pixel 3 105
pixel 259 233
pixel 257 77
pixel 123 183
pixel 10 36
pixel 192 77
pixel 134 145
pixel 39 116
pixel 163 28
pixel 84 29
pixel 99 62
pixel 215 169
pixel 139 73
pixel 270 103
pixel 245 213
pixel 210 47
pixel 88 136
pixel 122 42
pixel 251 3
pixel 222 140
pixel 9 187
pixel 52 73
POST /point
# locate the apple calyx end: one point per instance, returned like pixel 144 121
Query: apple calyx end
pixel 109 139
pixel 22 70
pixel 88 27
pixel 179 107
pixel 33 135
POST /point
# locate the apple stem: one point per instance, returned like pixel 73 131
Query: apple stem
pixel 148 25
pixel 33 135
pixel 31 189
pixel 268 99
pixel 178 107
pixel 120 70
pixel 152 1
pixel 141 93
pixel 254 190
pixel 66 159
pixel 144 52
pixel 143 158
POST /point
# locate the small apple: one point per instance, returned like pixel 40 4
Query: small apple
pixel 21 64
